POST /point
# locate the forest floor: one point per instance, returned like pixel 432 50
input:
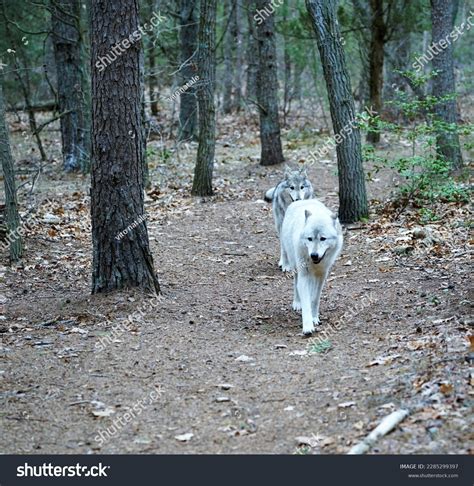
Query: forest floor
pixel 218 364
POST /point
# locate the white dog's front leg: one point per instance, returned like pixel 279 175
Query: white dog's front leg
pixel 296 298
pixel 305 292
pixel 283 263
pixel 317 298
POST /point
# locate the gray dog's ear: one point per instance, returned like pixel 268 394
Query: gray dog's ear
pixel 303 171
pixel 287 172
pixel 307 214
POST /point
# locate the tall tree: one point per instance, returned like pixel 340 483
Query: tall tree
pixel 11 203
pixel 378 31
pixel 230 13
pixel 237 35
pixel 352 193
pixel 202 184
pixel 232 57
pixel 251 54
pixel 151 55
pixel 21 63
pixel 117 196
pixel 447 140
pixel 70 82
pixel 188 50
pixel 267 89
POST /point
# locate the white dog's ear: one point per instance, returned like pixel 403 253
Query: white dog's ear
pixel 307 214
pixel 303 171
pixel 287 172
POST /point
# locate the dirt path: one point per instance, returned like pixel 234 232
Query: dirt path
pixel 221 356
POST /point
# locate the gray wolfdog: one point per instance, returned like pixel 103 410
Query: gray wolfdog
pixel 294 187
pixel 311 240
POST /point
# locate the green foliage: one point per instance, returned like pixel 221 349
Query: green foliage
pixel 321 347
pixel 303 451
pixel 425 175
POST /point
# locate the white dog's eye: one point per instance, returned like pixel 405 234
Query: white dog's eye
pixel 322 238
pixel 302 187
pixel 310 239
pixel 292 188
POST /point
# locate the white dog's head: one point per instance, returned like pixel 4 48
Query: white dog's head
pixel 320 235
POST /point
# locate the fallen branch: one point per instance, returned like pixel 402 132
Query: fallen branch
pixel 50 105
pixel 386 426
pixel 64 113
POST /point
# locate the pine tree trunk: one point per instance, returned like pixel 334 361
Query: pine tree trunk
pixel 238 39
pixel 152 80
pixel 11 203
pixel 251 54
pixel 121 258
pixel 188 46
pixel 376 61
pixel 151 75
pixel 352 194
pixel 202 184
pixel 287 72
pixel 267 90
pixel 230 14
pixel 447 142
pixel 69 71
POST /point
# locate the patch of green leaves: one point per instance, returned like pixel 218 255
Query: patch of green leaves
pixel 321 347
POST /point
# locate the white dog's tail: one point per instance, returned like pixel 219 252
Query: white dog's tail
pixel 269 194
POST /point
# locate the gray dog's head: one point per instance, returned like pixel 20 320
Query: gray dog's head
pixel 297 184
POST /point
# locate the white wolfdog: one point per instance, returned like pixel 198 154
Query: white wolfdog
pixel 311 240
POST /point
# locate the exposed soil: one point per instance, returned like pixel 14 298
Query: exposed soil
pixel 221 355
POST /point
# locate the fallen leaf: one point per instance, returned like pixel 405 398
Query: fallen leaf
pixel 383 360
pixel 106 412
pixel 346 404
pixel 302 352
pixel 446 388
pixel 184 437
pixel 225 386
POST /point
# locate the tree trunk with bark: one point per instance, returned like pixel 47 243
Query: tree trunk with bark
pixel 230 14
pixel 352 193
pixel 152 79
pixel 251 54
pixel 69 72
pixel 267 90
pixel 121 252
pixel 376 61
pixel 11 204
pixel 188 32
pixel 202 184
pixel 238 39
pixel 447 141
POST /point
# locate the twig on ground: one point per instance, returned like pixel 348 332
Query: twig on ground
pixel 386 426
